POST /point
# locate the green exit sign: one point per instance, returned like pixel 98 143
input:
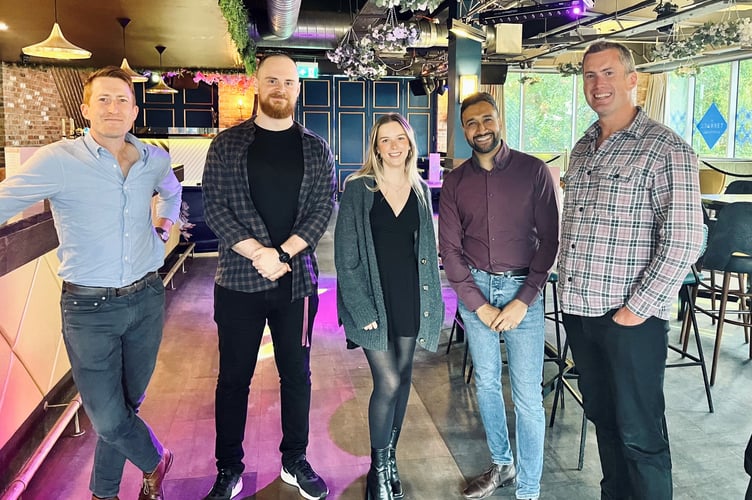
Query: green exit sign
pixel 308 69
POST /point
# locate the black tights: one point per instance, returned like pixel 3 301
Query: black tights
pixel 392 374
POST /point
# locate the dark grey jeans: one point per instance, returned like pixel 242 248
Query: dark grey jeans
pixel 112 345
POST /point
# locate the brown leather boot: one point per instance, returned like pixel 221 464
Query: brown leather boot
pixel 152 487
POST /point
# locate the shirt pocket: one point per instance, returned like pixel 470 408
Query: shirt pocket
pixel 621 190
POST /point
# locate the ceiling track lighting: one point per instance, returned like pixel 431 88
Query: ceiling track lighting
pixel 161 87
pixel 135 77
pixel 566 8
pixel 56 46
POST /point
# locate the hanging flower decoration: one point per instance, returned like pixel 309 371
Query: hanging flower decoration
pixel 687 70
pixel 240 81
pixel 569 69
pixel 359 57
pixel 529 80
pixel 403 5
pixel 721 34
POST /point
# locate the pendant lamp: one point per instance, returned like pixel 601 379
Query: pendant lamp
pixel 161 87
pixel 135 77
pixel 56 46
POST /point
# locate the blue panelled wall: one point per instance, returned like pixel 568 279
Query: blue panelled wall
pixel 189 107
pixel 343 112
pixel 339 110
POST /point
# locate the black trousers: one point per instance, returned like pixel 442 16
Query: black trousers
pixel 748 468
pixel 621 379
pixel 241 318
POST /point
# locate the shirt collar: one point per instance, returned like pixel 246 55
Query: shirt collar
pixel 635 129
pixel 500 160
pixel 95 148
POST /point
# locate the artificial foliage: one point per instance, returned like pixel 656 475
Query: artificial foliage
pixel 236 15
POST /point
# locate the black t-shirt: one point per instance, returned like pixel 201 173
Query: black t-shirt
pixel 275 172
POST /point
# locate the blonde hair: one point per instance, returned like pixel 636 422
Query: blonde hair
pixel 373 167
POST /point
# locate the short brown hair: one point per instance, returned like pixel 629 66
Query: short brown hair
pixel 625 55
pixel 270 55
pixel 107 72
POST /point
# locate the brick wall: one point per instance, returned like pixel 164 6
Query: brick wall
pixel 31 109
pixel 230 113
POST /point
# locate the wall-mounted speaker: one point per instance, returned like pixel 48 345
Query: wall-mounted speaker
pixel 416 87
pixel 493 74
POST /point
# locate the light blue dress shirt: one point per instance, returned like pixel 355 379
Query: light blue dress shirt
pixel 103 219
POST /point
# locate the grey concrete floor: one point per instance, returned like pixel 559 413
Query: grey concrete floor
pixel 443 442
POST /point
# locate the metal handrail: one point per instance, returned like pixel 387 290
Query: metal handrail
pixel 22 479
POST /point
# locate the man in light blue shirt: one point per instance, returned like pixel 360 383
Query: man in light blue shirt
pixel 100 188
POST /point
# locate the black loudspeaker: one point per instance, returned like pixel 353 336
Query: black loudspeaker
pixel 493 74
pixel 417 87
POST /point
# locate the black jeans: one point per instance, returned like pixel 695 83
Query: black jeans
pixel 240 319
pixel 621 379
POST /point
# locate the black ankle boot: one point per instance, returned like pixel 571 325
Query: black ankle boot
pixel 394 477
pixel 377 480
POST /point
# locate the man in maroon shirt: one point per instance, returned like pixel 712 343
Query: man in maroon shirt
pixel 498 236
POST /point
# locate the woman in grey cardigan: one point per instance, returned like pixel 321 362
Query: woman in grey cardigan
pixel 388 287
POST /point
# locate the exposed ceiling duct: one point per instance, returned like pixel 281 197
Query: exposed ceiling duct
pixel 283 17
pixel 323 31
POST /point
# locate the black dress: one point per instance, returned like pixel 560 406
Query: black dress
pixel 394 241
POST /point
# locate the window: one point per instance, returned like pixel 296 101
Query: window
pixel 711 87
pixel 743 134
pixel 539 117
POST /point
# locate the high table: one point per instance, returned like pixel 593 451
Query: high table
pixel 717 201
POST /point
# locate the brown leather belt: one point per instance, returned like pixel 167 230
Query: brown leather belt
pixel 98 291
pixel 524 271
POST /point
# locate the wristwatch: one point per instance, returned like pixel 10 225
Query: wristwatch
pixel 284 257
pixel 163 235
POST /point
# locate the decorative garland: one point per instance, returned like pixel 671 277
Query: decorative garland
pixel 722 34
pixel 403 5
pixel 529 80
pixel 236 15
pixel 569 69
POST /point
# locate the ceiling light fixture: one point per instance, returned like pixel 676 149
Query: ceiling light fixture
pixel 135 77
pixel 570 8
pixel 56 46
pixel 161 87
pixel 464 30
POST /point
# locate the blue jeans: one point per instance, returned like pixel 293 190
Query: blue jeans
pixel 112 345
pixel 524 347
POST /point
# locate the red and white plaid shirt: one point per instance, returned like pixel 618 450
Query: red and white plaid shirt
pixel 632 221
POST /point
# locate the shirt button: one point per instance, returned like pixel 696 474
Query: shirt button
pixel 423 261
pixel 580 209
pixel 425 287
pixel 569 279
pixel 422 341
pixel 572 245
pixel 589 172
pixel 425 314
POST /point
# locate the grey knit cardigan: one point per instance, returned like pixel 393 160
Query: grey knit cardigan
pixel 360 300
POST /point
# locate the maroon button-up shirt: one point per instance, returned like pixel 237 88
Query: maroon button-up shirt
pixel 496 221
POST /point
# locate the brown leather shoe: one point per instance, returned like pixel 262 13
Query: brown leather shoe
pixel 497 476
pixel 152 487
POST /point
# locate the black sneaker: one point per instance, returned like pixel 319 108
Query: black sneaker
pixel 228 485
pixel 309 484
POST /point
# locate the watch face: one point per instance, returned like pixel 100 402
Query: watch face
pixel 284 257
